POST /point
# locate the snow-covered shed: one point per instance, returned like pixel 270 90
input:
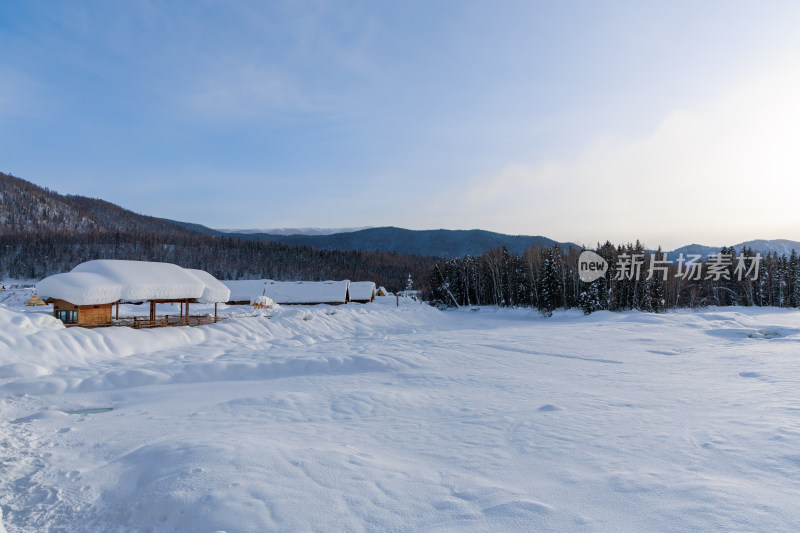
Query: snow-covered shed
pixel 381 291
pixel 34 301
pixel 289 292
pixel 362 291
pixel 85 295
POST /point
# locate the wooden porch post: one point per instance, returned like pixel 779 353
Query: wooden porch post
pixel 215 311
pixel 117 309
pixel 152 311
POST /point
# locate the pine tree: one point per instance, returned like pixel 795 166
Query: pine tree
pixel 439 287
pixel 589 298
pixel 794 275
pixel 549 283
pixel 656 294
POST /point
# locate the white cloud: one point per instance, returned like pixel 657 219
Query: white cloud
pixel 284 59
pixel 722 172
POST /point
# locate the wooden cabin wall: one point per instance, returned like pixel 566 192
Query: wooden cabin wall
pixel 94 314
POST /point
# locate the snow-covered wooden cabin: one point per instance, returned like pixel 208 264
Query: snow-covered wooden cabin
pixel 381 291
pixel 87 294
pixel 289 292
pixel 362 291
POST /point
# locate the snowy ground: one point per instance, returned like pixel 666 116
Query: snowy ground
pixel 377 418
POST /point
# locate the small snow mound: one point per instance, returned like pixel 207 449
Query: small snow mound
pixel 262 302
pixel 35 387
pixel 12 322
pixel 518 509
pixel 765 334
pixel 548 408
pixel 22 370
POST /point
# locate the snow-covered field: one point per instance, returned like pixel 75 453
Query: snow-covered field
pixel 377 418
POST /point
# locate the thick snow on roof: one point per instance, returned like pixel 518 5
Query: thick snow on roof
pixel 307 292
pixel 80 288
pixel 245 290
pixel 289 292
pixel 215 290
pixel 362 290
pixel 109 280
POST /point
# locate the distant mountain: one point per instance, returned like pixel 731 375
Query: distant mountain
pixel 762 246
pixel 28 208
pixel 695 249
pixel 436 243
pixel 296 231
pixel 780 246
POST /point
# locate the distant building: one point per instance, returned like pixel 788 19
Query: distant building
pixel 34 301
pixel 246 292
pixel 381 291
pixel 362 291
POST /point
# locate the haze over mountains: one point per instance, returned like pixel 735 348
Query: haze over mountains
pixel 28 208
pixel 296 231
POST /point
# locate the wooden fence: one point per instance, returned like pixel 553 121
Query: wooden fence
pixel 159 322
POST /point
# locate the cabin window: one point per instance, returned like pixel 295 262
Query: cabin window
pixel 67 317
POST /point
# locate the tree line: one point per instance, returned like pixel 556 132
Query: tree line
pixel 548 278
pixel 35 256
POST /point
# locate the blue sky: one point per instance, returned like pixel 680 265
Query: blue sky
pixel 671 122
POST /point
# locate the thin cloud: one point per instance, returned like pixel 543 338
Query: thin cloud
pixel 245 92
pixel 19 95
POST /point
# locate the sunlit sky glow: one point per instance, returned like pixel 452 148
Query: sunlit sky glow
pixel 670 122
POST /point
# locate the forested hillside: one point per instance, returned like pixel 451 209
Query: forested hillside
pixel 28 208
